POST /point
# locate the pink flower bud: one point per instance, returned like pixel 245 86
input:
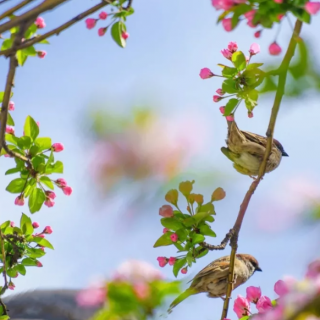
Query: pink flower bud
pixel 12 224
pixel 280 16
pixel 241 306
pixel 253 294
pixel 162 261
pixel 11 106
pixel 222 109
pixel 226 53
pixel 49 203
pixel 184 270
pixel 174 237
pixel 51 195
pixel 38 123
pixel 250 114
pixel 7 155
pixel 11 285
pixel 166 211
pixel 172 260
pixel 125 35
pixel 19 201
pixel 250 14
pixel 67 190
pixel 274 49
pixel 278 1
pixel 264 304
pixel 219 91
pixel 40 23
pixel 165 230
pixel 39 235
pixel 91 23
pixel 35 225
pixel 312 7
pixel 41 54
pixel 230 117
pixel 280 288
pixel 227 24
pixel 103 15
pixel 39 264
pixel 251 24
pixel 232 46
pixel 9 129
pixel 254 49
pixel 313 269
pixel 216 98
pixel 206 73
pixel 257 34
pixel 42 248
pixel 102 31
pixel 47 230
pixel 57 147
pixel 61 182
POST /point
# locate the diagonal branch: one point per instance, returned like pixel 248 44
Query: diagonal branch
pixel 14 9
pixel 283 70
pixel 221 246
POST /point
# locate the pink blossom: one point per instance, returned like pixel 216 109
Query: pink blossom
pixel 162 261
pixel 166 211
pixel 61 182
pixel 91 23
pixel 49 203
pixel 280 288
pixel 19 201
pixel 7 155
pixel 274 49
pixel 313 269
pixel 142 290
pixel 222 4
pixel 184 270
pixel 226 53
pixel 165 230
pixel 38 123
pixel 230 117
pixel 172 261
pixel 102 31
pixel 206 73
pixel 51 195
pixel 103 15
pixel 241 306
pixel 257 34
pixel 251 24
pixel 312 7
pixel 35 225
pixel 47 230
pixel 174 237
pixel 39 264
pixel 12 224
pixel 216 98
pixel 39 235
pixel 67 190
pixel 227 24
pixel 57 147
pixel 11 106
pixel 254 49
pixel 220 92
pixel 250 114
pixel 125 35
pixel 41 54
pixel 222 109
pixel 250 14
pixel 232 46
pixel 91 297
pixel 278 1
pixel 253 294
pixel 11 285
pixel 10 129
pixel 264 304
pixel 280 16
pixel 40 23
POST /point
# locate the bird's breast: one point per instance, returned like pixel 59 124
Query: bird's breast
pixel 249 162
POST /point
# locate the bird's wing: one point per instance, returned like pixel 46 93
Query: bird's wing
pixel 256 138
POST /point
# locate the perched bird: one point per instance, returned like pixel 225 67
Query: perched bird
pixel 246 151
pixel 213 279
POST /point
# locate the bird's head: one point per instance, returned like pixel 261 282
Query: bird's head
pixel 250 261
pixel 280 147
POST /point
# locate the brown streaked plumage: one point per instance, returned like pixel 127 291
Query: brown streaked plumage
pixel 213 279
pixel 247 149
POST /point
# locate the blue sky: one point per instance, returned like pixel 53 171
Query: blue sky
pixel 170 41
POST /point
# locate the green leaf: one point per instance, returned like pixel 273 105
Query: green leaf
pixel 21 57
pixel 43 143
pixel 301 14
pixel 164 240
pixel 252 66
pixel 55 168
pixel 36 199
pixel 31 31
pixel 35 253
pixel 186 187
pixel 116 33
pixel 16 185
pixel 29 262
pixel 33 151
pixel 229 72
pixel 4 317
pixel 12 139
pixel 188 222
pixel 42 242
pixel 190 258
pixel 182 234
pixel 10 121
pixel 30 51
pixel 21 269
pixel 38 163
pixel 244 318
pixel 46 181
pixel 29 188
pixel 6 44
pixel 24 143
pixel 171 223
pixel 31 128
pixel 178 246
pixel 197 238
pixel 1 96
pixel 44 41
pixel 230 106
pixel 178 265
pixel 203 253
pixel 11 171
pixel 201 216
pixel 11 272
pixel 208 207
pixel 207 231
pixel 239 60
pixel 251 100
pixel 230 86
pixel 172 196
pixel 5 225
pixel 26 225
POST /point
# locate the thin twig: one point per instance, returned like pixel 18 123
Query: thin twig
pixel 275 109
pixel 14 9
pixel 4 272
pixel 221 246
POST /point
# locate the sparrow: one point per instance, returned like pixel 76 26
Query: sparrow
pixel 246 150
pixel 213 279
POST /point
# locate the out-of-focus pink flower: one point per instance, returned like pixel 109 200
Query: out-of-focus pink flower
pixel 39 264
pixel 11 285
pixel 67 190
pixel 257 34
pixel 103 15
pixel 19 201
pixel 49 203
pixel 61 182
pixel 166 211
pixel 91 297
pixel 274 49
pixel 264 304
pixel 172 260
pixel 91 23
pixel 102 31
pixel 226 53
pixel 241 306
pixel 312 7
pixel 142 290
pixel 222 4
pixel 57 147
pixel 313 269
pixel 250 14
pixel 35 225
pixel 174 237
pixel 227 24
pixel 232 46
pixel 125 35
pixel 51 195
pixel 216 98
pixel 230 117
pixel 11 106
pixel 280 288
pixel 278 1
pixel 206 73
pixel 254 49
pixel 250 114
pixel 165 230
pixel 12 224
pixel 184 270
pixel 220 92
pixel 222 109
pixel 253 294
pixel 38 123
pixel 10 129
pixel 47 230
pixel 41 54
pixel 40 23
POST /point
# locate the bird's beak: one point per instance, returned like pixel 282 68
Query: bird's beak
pixel 258 269
pixel 284 154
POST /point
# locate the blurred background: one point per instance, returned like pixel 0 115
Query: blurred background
pixel 137 121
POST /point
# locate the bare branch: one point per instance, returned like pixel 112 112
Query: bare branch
pixel 221 246
pixel 14 9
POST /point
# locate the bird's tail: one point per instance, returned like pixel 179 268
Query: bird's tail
pixel 229 154
pixel 182 297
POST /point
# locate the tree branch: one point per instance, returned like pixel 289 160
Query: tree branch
pixel 221 246
pixel 14 9
pixel 283 70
